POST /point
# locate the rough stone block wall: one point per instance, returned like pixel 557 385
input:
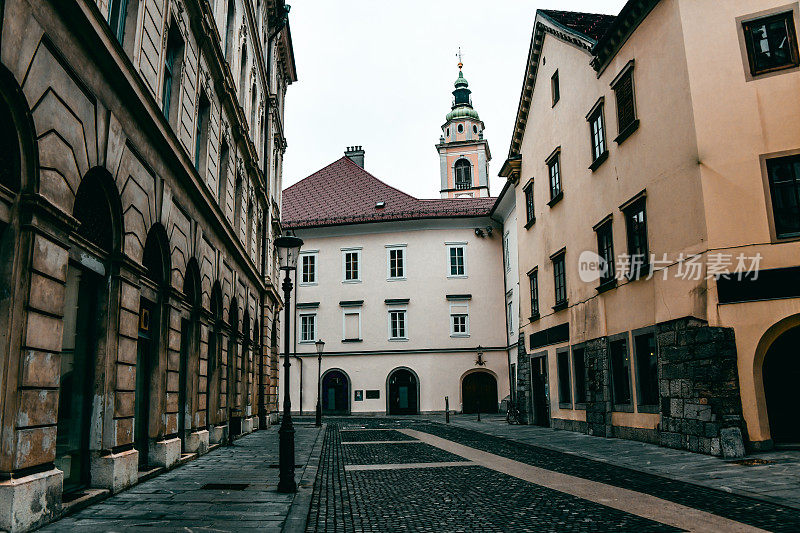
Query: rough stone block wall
pixel 523 382
pixel 598 388
pixel 698 385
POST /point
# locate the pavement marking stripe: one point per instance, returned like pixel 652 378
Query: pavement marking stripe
pixel 629 501
pixel 383 442
pixel 400 466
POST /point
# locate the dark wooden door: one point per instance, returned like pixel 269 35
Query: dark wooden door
pixel 403 393
pixel 781 374
pixel 335 393
pixel 541 407
pixel 479 393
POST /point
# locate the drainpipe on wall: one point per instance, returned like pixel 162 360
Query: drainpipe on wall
pixel 505 310
pixel 294 342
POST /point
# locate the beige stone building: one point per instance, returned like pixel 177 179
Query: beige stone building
pixel 140 176
pixel 653 153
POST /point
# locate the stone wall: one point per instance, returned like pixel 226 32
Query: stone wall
pixel 698 385
pixel 598 388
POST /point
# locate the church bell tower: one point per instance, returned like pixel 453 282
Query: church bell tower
pixel 463 152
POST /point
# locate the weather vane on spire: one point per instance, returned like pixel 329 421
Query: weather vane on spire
pixel 460 62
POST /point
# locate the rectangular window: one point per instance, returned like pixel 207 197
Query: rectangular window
pixel 351 325
pixel 173 58
pixel 564 385
pixel 529 211
pixel 620 372
pixel 308 266
pixel 560 279
pixel 597 129
pixel 510 317
pixel 555 88
pixel 396 262
pixel 626 104
pixel 554 170
pixel 457 265
pixel 646 369
pixel 784 187
pixel 459 320
pixel 308 327
pixel 533 279
pixel 506 252
pixel 771 43
pixel 638 249
pixel 605 249
pixel 352 265
pixel 579 374
pixel 397 325
pixel 116 18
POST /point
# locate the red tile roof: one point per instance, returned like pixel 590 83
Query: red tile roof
pixel 344 193
pixel 592 25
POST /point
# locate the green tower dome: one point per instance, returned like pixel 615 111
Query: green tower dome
pixel 462 103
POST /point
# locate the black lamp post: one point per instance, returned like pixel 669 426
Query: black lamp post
pixel 288 252
pixel 320 344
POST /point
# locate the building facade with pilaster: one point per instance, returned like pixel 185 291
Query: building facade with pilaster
pixel 140 161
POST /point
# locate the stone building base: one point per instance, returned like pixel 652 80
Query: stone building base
pixel 699 398
pixel 30 501
pixel 165 453
pixel 217 434
pixel 115 471
pixel 197 442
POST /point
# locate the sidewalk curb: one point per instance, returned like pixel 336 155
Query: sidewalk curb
pixel 297 518
pixel 644 470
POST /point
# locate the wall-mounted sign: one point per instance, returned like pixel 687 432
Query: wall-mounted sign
pixel 359 395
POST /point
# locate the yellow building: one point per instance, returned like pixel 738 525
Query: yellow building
pixel 653 153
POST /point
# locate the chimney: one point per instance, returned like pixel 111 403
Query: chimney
pixel 355 154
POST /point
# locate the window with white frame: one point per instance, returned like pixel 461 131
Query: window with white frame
pixel 351 324
pixel 397 324
pixel 457 260
pixel 459 320
pixel 308 327
pixel 506 252
pixel 351 264
pixel 308 268
pixel 396 262
pixel 510 317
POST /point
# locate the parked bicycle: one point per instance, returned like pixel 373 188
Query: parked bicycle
pixel 512 413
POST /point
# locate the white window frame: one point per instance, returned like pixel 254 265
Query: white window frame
pixel 300 338
pixel 403 310
pixel 450 246
pixel 459 309
pixel 510 315
pixel 350 311
pixel 507 251
pixel 389 249
pixel 315 255
pixel 346 251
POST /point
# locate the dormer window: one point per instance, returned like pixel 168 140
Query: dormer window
pixel 463 174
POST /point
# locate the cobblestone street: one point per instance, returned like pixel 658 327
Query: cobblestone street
pixel 451 478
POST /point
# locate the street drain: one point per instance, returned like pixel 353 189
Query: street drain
pixel 753 462
pixel 225 486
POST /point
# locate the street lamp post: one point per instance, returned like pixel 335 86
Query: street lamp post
pixel 288 252
pixel 320 344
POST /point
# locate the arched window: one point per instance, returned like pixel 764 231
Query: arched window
pixel 253 113
pixel 201 134
pixel 237 203
pixel 173 63
pixel 463 174
pixel 93 211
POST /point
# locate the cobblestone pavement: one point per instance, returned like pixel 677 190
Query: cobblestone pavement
pixel 773 476
pixel 478 498
pixel 177 501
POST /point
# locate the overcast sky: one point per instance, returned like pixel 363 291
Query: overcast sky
pixel 380 74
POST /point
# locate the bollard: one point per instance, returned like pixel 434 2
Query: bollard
pixel 447 409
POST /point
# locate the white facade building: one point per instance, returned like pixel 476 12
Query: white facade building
pixel 406 293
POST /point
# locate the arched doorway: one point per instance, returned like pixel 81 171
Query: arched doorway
pixel 335 393
pixel 190 332
pixel 214 337
pixel 155 260
pixel 234 415
pixel 403 397
pixel 479 393
pixel 85 307
pixel 781 374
